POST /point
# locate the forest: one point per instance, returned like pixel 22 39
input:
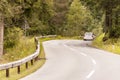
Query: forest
pixel 57 17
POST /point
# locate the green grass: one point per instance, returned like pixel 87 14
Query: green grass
pixel 24 71
pixel 60 38
pixel 74 37
pixel 98 42
pixel 111 45
pixel 25 47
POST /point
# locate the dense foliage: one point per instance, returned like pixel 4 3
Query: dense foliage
pixel 79 20
pixel 111 10
pixel 12 37
pixel 30 15
pixel 63 17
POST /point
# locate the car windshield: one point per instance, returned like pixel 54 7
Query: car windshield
pixel 88 34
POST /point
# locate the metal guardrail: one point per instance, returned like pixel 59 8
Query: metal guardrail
pixel 24 60
pixel 19 62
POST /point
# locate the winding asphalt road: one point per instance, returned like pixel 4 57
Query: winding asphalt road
pixel 74 60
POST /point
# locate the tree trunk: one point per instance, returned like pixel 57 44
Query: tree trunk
pixel 1 36
pixel 116 19
pixel 108 20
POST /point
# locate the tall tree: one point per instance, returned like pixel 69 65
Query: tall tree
pixel 59 18
pixel 79 19
pixel 107 7
pixel 5 11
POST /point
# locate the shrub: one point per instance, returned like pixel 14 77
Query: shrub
pixel 99 40
pixel 12 37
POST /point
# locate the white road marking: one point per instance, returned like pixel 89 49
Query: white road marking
pixel 75 69
pixel 93 71
pixel 93 61
pixel 75 50
pixel 90 74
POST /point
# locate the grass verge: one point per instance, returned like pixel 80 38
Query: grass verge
pixel 25 47
pixel 111 45
pixel 24 71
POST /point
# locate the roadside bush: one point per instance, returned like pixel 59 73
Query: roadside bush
pixel 12 37
pixel 112 45
pixel 99 40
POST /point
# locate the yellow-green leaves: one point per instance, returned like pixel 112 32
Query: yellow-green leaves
pixel 79 19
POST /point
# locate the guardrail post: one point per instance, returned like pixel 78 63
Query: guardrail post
pixel 32 62
pixel 36 58
pixel 26 65
pixel 7 72
pixel 18 69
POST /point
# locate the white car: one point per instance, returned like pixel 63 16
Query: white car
pixel 89 36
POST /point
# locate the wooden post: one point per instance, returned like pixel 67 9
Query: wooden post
pixel 32 62
pixel 18 69
pixel 36 47
pixel 26 65
pixel 7 72
pixel 36 58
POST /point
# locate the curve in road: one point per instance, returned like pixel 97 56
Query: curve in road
pixel 74 60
